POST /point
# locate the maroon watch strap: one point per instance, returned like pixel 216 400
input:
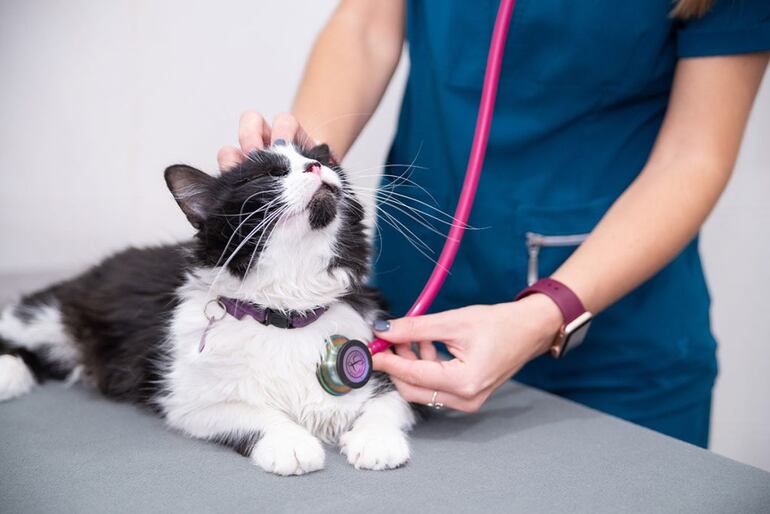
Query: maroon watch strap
pixel 569 304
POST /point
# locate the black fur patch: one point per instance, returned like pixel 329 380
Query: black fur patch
pixel 42 368
pixel 382 384
pixel 367 299
pixel 241 443
pixel 323 207
pixel 243 202
pixel 118 311
pixel 353 247
pixel 29 305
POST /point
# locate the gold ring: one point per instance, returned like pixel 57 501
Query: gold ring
pixel 433 403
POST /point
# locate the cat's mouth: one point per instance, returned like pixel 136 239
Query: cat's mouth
pixel 322 207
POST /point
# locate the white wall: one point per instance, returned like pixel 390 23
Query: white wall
pixel 96 98
pixel 736 255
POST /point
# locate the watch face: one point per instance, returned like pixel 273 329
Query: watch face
pixel 575 332
pixel 578 334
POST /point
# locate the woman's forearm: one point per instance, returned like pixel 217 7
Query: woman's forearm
pixel 349 69
pixel 688 170
pixel 645 228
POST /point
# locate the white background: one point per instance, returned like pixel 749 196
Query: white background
pixel 96 98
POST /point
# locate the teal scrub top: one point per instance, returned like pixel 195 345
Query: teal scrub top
pixel 582 94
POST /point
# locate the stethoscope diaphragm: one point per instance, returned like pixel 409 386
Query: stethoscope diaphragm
pixel 346 365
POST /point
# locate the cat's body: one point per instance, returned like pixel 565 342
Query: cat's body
pixel 133 325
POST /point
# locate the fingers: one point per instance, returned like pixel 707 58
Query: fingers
pixel 228 157
pixel 287 128
pixel 444 375
pixel 405 351
pixel 253 132
pixel 424 396
pixel 433 327
pixel 427 350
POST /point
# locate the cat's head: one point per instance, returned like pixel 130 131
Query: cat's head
pixel 289 206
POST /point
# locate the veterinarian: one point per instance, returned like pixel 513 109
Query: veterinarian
pixel 616 129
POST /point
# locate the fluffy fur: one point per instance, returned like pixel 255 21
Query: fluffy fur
pixel 282 230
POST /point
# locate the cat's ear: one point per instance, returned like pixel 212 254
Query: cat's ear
pixel 192 190
pixel 322 153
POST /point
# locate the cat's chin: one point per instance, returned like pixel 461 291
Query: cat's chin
pixel 322 208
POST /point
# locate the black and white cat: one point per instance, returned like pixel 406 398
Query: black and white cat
pixel 282 230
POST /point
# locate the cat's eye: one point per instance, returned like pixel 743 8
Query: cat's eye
pixel 244 180
pixel 275 171
pixel 278 172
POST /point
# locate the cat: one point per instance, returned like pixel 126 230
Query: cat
pixel 282 230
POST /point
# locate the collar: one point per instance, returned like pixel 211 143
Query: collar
pixel 267 316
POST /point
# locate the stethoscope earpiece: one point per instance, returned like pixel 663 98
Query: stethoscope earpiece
pixel 346 365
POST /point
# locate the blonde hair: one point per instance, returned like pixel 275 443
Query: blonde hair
pixel 685 9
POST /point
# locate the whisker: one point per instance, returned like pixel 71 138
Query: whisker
pixel 416 214
pixel 406 229
pixel 402 182
pixel 277 217
pixel 236 229
pixel 420 221
pixel 413 244
pixel 238 248
pixel 378 195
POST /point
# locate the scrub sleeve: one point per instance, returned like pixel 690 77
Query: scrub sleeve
pixel 582 95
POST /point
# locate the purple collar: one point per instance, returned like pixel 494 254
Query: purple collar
pixel 267 316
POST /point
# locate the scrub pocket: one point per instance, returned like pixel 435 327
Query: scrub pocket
pixel 550 234
pixel 536 242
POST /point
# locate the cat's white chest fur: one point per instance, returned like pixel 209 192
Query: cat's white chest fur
pixel 246 362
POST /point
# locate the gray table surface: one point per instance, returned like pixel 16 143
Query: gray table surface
pixel 69 450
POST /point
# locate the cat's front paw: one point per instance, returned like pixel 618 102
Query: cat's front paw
pixel 289 452
pixel 375 447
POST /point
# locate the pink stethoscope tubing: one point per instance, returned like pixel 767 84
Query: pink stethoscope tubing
pixel 472 173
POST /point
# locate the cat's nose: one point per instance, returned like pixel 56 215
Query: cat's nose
pixel 313 167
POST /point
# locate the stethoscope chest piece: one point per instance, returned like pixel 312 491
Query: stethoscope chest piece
pixel 346 365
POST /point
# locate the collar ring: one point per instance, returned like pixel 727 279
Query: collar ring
pixel 221 305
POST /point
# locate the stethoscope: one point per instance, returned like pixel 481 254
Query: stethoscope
pixel 347 363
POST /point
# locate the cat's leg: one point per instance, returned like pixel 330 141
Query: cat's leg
pixel 378 437
pixel 267 436
pixel 34 345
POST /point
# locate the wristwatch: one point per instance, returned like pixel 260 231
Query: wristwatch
pixel 577 319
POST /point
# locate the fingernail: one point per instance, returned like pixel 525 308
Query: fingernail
pixel 279 142
pixel 381 325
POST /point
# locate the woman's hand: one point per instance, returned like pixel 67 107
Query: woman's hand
pixel 489 344
pixel 255 133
